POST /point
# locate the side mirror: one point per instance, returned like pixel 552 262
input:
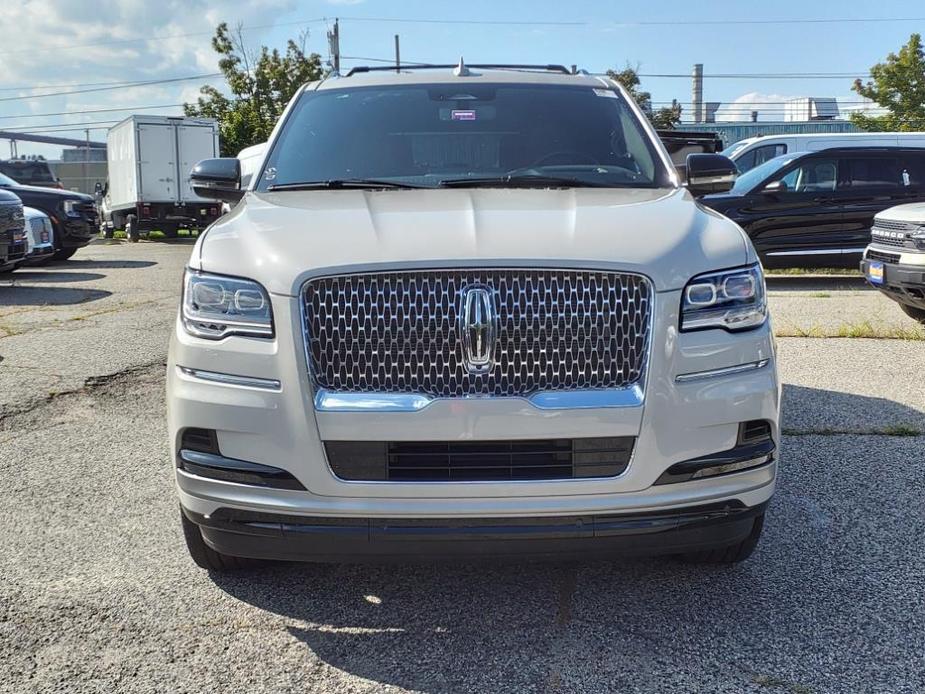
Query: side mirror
pixel 709 173
pixel 774 187
pixel 217 179
pixel 98 187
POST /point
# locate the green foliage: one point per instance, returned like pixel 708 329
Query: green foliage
pixel 260 86
pixel 898 85
pixel 664 118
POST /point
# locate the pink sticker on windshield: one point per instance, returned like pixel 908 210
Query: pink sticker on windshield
pixel 462 115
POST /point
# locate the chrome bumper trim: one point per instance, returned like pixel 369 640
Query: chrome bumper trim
pixel 726 371
pixel 231 379
pixel 327 401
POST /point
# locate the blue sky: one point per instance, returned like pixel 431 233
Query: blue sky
pixel 594 34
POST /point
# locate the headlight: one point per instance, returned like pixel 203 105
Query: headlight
pixel 70 208
pixel 732 299
pixel 215 306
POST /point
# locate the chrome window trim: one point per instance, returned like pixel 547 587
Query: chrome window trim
pixel 324 400
pixel 725 371
pixel 231 379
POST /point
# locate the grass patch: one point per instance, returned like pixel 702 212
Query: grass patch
pixel 890 430
pixel 119 234
pixel 813 271
pixel 863 329
pixel 821 295
pixel 156 235
pixel 901 430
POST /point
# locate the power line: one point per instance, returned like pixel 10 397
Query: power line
pixel 96 110
pixel 632 23
pixel 165 37
pixel 60 127
pixel 124 85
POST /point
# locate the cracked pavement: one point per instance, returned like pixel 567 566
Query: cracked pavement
pixel 97 593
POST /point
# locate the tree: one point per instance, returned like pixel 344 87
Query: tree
pixel 665 118
pixel 898 85
pixel 260 85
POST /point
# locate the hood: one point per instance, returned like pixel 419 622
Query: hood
pixel 7 197
pixel 32 213
pixel 913 212
pixel 46 194
pixel 280 239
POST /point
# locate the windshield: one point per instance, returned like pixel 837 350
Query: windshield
pixel 734 149
pixel 436 134
pixel 747 181
pixel 7 181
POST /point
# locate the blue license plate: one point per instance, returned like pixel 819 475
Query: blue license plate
pixel 875 272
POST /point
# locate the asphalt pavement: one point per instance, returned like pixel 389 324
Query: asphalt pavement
pixel 97 593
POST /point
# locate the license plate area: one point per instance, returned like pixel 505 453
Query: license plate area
pixel 875 272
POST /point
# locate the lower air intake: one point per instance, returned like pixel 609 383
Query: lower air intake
pixel 471 461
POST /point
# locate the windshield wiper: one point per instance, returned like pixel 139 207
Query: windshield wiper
pixel 520 181
pixel 341 184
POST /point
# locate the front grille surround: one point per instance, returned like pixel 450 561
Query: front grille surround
pixel 550 336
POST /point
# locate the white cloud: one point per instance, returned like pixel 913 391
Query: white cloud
pixel 118 42
pixel 769 107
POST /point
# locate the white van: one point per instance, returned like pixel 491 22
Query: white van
pixel 749 153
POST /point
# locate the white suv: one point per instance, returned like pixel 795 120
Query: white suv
pixel 470 311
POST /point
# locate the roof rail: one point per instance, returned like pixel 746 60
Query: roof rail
pixel 484 66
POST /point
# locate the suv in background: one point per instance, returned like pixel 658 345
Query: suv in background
pixel 12 231
pixel 470 310
pixel 73 215
pixel 30 172
pixel 894 262
pixel 40 237
pixel 754 151
pixel 816 209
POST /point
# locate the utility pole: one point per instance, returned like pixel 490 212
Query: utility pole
pixel 334 46
pixel 86 182
pixel 397 55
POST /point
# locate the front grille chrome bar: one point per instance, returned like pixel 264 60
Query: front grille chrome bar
pixel 329 401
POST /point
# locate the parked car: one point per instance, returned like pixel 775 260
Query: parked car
pixel 815 209
pixel 12 234
pixel 30 172
pixel 73 215
pixel 40 237
pixel 753 151
pixel 894 262
pixel 470 310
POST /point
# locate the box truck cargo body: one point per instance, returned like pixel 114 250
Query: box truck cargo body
pixel 150 158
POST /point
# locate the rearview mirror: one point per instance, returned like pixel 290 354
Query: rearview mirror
pixel 709 173
pixel 217 179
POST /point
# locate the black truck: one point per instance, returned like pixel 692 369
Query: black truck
pixel 12 231
pixel 73 215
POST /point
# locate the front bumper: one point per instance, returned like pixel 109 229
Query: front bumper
pixel 75 232
pixel 904 279
pixel 303 538
pixel 279 426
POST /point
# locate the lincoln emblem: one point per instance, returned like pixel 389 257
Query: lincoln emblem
pixel 479 328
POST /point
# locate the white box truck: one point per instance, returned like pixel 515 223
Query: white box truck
pixel 150 158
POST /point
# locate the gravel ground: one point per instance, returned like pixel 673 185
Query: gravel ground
pixel 97 593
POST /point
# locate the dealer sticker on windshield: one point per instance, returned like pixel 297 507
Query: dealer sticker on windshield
pixel 462 114
pixel 875 272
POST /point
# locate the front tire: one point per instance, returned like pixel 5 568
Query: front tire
pixel 131 228
pixel 204 556
pixel 913 312
pixel 731 554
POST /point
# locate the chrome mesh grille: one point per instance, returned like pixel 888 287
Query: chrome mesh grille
pixel 895 225
pixel 400 332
